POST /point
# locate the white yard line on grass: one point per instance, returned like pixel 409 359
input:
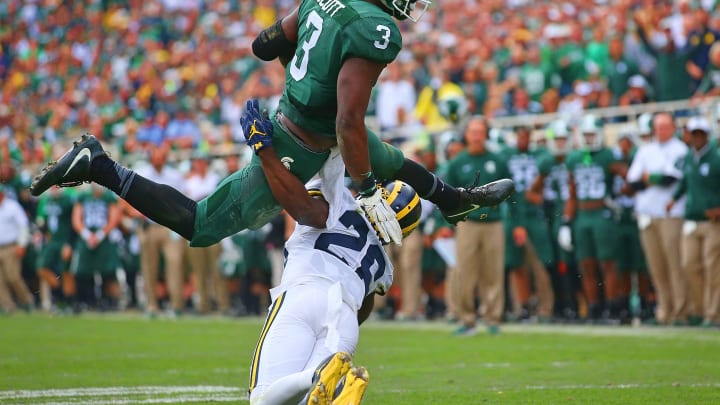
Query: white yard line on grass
pixel 616 386
pixel 171 400
pixel 662 332
pixel 564 387
pixel 121 391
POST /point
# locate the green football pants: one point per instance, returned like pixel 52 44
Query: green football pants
pixel 244 200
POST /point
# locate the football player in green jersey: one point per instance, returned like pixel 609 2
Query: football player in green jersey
pixel 551 187
pixel 54 219
pixel 335 51
pixel 527 246
pixel 591 169
pixel 629 254
pixel 94 215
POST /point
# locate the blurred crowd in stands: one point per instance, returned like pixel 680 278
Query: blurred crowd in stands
pixel 158 80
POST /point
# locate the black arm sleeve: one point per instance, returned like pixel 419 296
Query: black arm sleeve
pixel 638 185
pixel 666 180
pixel 366 308
pixel 272 42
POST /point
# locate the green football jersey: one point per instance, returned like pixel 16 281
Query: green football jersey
pixel 556 188
pixel 331 31
pixel 591 173
pixel 625 203
pixel 56 211
pixel 96 209
pixel 523 167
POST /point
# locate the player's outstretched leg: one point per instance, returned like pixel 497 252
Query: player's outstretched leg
pixel 454 203
pixel 86 161
pixel 326 378
pixel 351 387
pixel 476 196
pixel 72 169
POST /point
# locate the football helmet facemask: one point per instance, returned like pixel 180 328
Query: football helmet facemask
pixel 591 133
pixel 557 135
pixel 412 10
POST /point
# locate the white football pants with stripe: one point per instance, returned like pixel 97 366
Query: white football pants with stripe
pixel 306 323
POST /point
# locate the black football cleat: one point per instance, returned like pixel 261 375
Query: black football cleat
pixel 475 197
pixel 72 169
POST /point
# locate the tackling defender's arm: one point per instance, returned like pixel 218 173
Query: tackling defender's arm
pixel 366 308
pixel 287 189
pixel 291 193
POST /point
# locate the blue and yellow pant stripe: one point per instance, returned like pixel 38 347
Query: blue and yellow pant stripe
pixel 272 315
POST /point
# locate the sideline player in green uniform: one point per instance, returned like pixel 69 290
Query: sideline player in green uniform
pixel 338 50
pixel 551 187
pixel 629 255
pixel 591 170
pixel 527 241
pixel 94 215
pixel 54 218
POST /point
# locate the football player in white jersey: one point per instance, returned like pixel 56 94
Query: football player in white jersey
pixel 335 263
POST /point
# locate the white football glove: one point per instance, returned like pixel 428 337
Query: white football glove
pixel 381 216
pixel 565 238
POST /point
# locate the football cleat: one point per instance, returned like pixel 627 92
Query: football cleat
pixel 475 197
pixel 326 378
pixel 351 387
pixel 72 169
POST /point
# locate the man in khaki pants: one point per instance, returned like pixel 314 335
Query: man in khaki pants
pixel 13 239
pixel 701 229
pixel 654 174
pixel 480 239
pixel 407 260
pixel 204 260
pixel 155 239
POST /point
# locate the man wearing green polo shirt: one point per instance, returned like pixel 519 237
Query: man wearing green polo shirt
pixel 481 239
pixel 701 229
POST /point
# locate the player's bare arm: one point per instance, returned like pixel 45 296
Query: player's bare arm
pixel 355 82
pixel 534 193
pixel 287 189
pixel 571 203
pixel 366 308
pixel 619 169
pixel 291 193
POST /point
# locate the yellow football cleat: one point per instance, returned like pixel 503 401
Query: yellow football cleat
pixel 326 378
pixel 352 387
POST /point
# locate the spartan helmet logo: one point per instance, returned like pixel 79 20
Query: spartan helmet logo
pixel 287 161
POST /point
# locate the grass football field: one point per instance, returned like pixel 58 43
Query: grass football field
pixel 126 359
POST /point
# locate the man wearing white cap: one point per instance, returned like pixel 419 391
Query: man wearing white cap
pixel 637 91
pixel 701 229
pixel 654 174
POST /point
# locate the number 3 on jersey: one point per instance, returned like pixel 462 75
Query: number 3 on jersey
pixel 298 72
pixel 385 37
pixel 299 63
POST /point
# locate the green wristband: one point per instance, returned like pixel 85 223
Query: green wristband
pixel 367 186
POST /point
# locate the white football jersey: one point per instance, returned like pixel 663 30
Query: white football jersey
pixel 348 250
